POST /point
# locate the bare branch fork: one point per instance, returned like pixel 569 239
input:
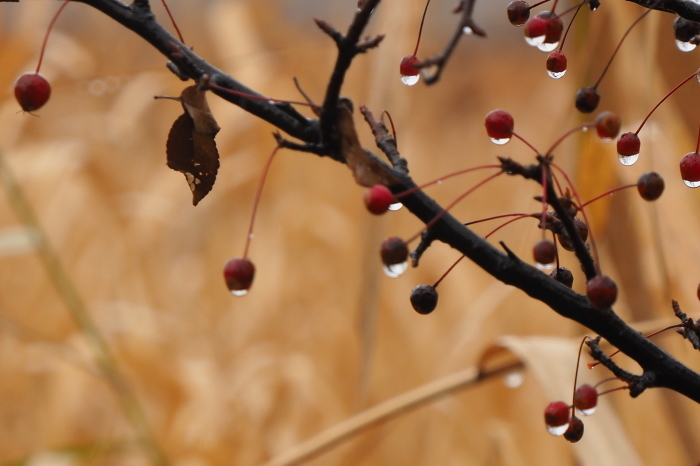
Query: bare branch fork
pixel 321 136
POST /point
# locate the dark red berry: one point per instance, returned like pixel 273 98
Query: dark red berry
pixel 499 125
pixel 393 251
pixel 424 299
pixel 601 291
pixel 535 30
pixel 685 30
pixel 32 91
pixel 650 186
pixel 587 99
pixel 628 145
pixel 556 64
pixel 554 27
pixel 575 431
pixel 239 274
pixel 544 252
pixel 563 276
pixel 690 169
pixel 518 12
pixel 607 125
pixel 582 230
pixel 408 66
pixel 556 414
pixel 586 399
pixel 378 198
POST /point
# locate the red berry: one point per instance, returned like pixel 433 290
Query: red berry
pixel 575 431
pixel 499 126
pixel 424 299
pixel 601 291
pixel 586 399
pixel 563 276
pixel 239 274
pixel 587 99
pixel 394 253
pixel 690 169
pixel 410 73
pixel 556 416
pixel 544 252
pixel 556 64
pixel 650 186
pixel 582 230
pixel 607 125
pixel 378 198
pixel 518 12
pixel 32 91
pixel 553 30
pixel 628 145
pixel 535 30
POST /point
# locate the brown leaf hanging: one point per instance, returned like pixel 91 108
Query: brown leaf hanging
pixel 191 147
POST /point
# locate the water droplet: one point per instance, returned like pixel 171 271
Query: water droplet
pixel 547 47
pixel 239 292
pixel 584 129
pixel 410 80
pixel 559 430
pixel 438 182
pixel 685 46
pixel 555 75
pixel 627 160
pixel 587 412
pixel 250 235
pixel 395 206
pixel 513 379
pixel 467 30
pixel 396 270
pixel 501 141
pixel 691 184
pixel 544 267
pixel 535 41
pixel 594 8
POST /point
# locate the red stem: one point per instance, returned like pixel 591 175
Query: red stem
pixel 258 194
pixel 566 33
pixel 255 97
pixel 678 86
pixel 172 20
pixel 393 129
pixel 578 363
pixel 420 30
pixel 448 271
pixel 46 37
pixel 583 127
pixel 438 180
pixel 606 193
pixel 526 143
pixel 506 223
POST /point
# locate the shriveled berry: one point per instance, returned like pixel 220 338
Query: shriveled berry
pixel 556 414
pixel 690 169
pixel 575 431
pixel 556 64
pixel 499 125
pixel 607 125
pixel 586 399
pixel 32 91
pixel 393 251
pixel 424 299
pixel 628 144
pixel 544 251
pixel 408 66
pixel 239 274
pixel 518 12
pixel 563 276
pixel 601 291
pixel 650 186
pixel 587 99
pixel 378 198
pixel 582 230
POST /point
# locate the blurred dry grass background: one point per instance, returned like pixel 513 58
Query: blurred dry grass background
pixel 323 334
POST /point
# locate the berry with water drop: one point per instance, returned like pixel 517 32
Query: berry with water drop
pixel 650 186
pixel 586 399
pixel 601 291
pixel 499 125
pixel 607 125
pixel 563 276
pixel 32 91
pixel 556 414
pixel 628 145
pixel 575 431
pixel 239 273
pixel 556 64
pixel 518 12
pixel 554 27
pixel 393 251
pixel 690 169
pixel 424 299
pixel 378 198
pixel 535 30
pixel 544 252
pixel 409 66
pixel 587 99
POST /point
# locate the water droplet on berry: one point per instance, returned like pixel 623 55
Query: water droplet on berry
pixel 691 184
pixel 513 379
pixel 410 80
pixel 467 30
pixel 558 430
pixel 395 206
pixel 547 47
pixel 628 160
pixel 685 46
pixel 558 75
pixel 239 292
pixel 587 412
pixel 544 267
pixel 500 141
pixel 395 270
pixel 535 41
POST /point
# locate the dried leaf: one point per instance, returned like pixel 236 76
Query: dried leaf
pixel 191 147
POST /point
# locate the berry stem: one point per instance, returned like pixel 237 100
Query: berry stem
pixel 545 204
pixel 391 122
pixel 678 86
pixel 578 364
pixel 624 387
pixel 441 179
pixel 448 271
pixel 474 222
pixel 593 364
pixel 607 193
pixel 452 204
pixel 583 127
pixel 256 202
pixel 420 30
pixel 539 3
pixel 172 20
pixel 505 224
pixel 601 382
pixel 48 31
pixel 566 33
pixel 526 143
pixel 226 90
